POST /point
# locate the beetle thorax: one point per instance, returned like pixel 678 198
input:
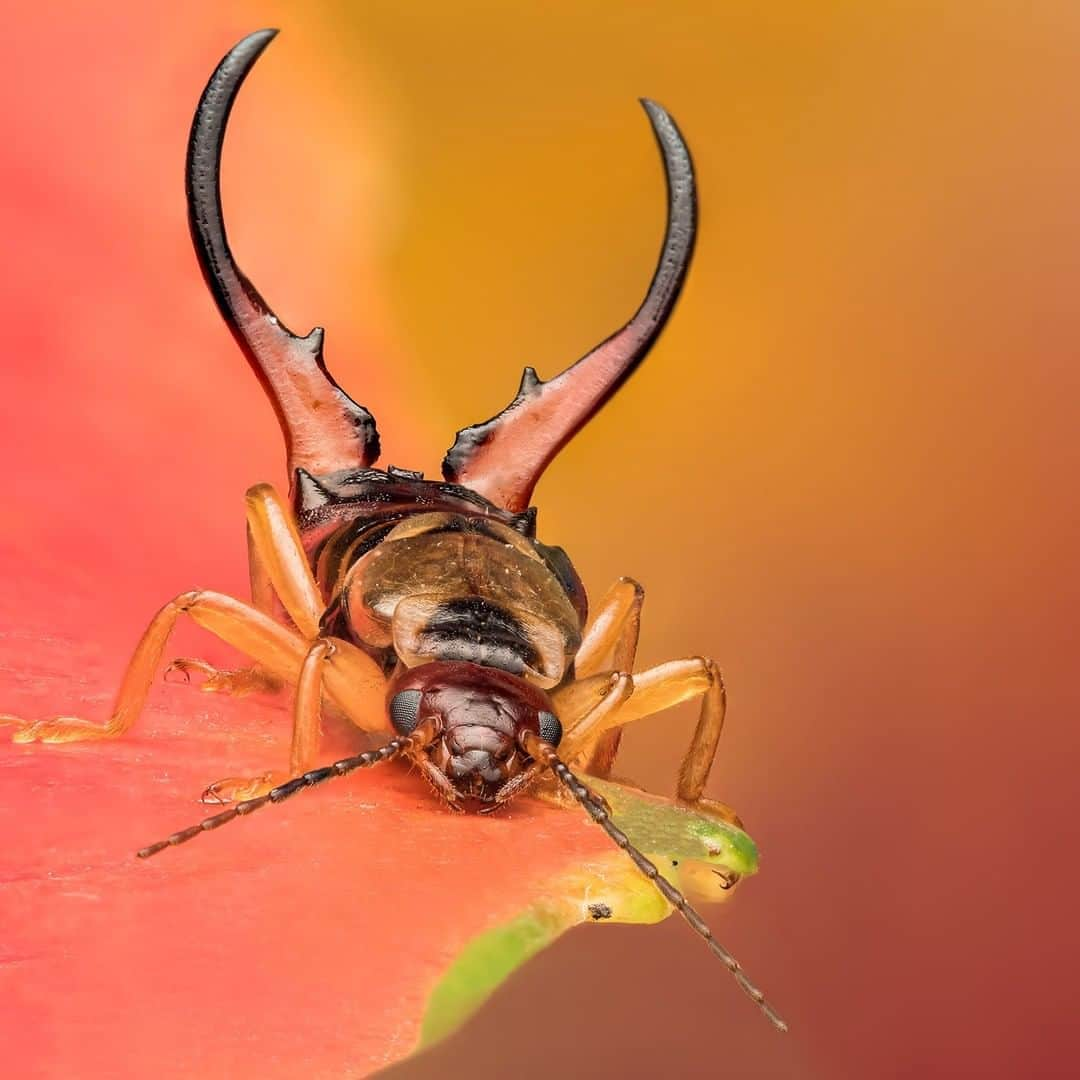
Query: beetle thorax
pixel 453 588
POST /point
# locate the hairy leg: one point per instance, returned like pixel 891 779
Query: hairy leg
pixel 656 689
pixel 583 731
pixel 698 762
pixel 279 556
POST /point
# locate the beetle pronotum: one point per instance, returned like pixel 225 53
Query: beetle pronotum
pixel 428 607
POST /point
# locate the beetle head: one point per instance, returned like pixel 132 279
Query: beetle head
pixel 478 717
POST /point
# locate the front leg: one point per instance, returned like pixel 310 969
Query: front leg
pixel 701 754
pixel 583 707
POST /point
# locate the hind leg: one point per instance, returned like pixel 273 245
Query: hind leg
pixel 614 627
pixel 277 568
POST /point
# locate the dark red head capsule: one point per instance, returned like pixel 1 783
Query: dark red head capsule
pixel 478 717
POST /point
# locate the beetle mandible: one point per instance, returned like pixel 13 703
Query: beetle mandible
pixel 428 608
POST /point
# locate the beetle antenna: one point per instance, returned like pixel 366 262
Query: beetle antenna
pixel 394 748
pixel 597 810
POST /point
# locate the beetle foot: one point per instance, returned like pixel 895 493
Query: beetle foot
pixel 718 811
pixel 547 790
pixel 239 788
pixel 238 682
pixel 61 729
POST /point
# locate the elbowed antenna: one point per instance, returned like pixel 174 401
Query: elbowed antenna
pixel 504 457
pixel 325 430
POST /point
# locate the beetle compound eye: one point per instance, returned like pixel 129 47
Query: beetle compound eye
pixel 404 711
pixel 550 728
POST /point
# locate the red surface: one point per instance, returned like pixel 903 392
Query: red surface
pixel 306 938
pixel 304 941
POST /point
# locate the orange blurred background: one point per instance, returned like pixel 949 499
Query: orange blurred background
pixel 847 471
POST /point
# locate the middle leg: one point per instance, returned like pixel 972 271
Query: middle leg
pixel 345 674
pixel 657 689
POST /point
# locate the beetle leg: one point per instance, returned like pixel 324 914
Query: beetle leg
pixel 330 667
pixel 580 728
pixel 574 700
pixel 657 689
pixel 278 567
pixel 700 755
pixel 273 537
pixel 615 624
pixel 276 647
pixel 234 681
pixel 351 679
pixel 303 754
pixel 583 707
